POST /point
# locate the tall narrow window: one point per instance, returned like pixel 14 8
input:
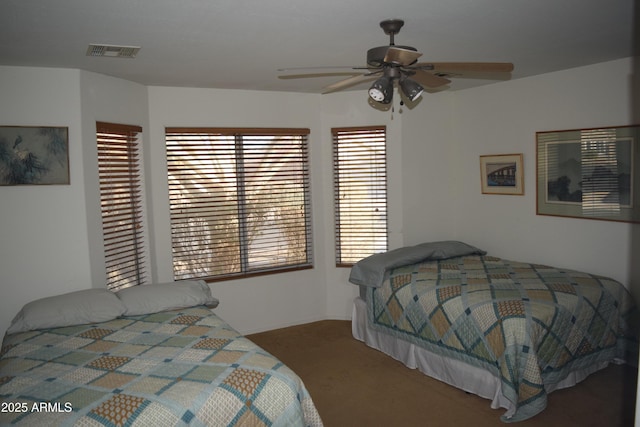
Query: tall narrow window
pixel 239 201
pixel 360 192
pixel 121 202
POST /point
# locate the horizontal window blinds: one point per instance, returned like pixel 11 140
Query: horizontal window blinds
pixel 239 201
pixel 121 204
pixel 601 152
pixel 360 192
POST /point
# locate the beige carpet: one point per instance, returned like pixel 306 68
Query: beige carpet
pixel 354 385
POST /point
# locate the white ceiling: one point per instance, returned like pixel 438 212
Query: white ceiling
pixel 241 44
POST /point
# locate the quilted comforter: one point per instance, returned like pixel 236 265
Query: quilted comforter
pixel 181 367
pixel 530 325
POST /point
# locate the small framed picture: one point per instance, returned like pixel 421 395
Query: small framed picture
pixel 502 174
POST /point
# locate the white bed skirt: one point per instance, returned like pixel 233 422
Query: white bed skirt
pixel 454 372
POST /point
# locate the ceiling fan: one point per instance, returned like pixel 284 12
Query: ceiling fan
pixel 399 64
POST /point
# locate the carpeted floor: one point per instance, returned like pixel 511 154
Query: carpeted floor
pixel 354 385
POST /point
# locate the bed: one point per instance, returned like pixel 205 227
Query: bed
pixel 508 331
pixel 150 355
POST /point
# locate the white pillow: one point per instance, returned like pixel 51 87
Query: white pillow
pixel 146 299
pixel 75 308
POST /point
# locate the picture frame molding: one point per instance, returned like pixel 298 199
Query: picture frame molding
pixel 604 201
pixel 512 180
pixel 34 155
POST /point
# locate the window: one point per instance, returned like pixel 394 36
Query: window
pixel 360 192
pixel 121 204
pixel 239 201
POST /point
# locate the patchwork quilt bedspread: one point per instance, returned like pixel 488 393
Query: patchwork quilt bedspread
pixel 181 367
pixel 530 325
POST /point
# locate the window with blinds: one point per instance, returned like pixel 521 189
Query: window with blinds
pixel 239 201
pixel 121 204
pixel 360 192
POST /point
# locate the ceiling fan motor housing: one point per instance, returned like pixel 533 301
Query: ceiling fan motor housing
pixel 391 27
pixel 375 56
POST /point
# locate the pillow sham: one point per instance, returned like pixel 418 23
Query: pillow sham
pixel 146 299
pixel 74 308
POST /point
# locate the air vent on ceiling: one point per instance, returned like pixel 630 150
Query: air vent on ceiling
pixel 112 51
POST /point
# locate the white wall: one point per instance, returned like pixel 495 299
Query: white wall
pixel 50 240
pixel 500 119
pixel 429 187
pixel 50 236
pixel 43 239
pixel 264 302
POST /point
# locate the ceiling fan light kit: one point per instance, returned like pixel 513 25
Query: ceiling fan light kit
pixel 411 89
pixel 400 64
pixel 382 90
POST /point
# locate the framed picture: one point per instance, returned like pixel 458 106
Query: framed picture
pixel 502 174
pixel 33 155
pixel 589 173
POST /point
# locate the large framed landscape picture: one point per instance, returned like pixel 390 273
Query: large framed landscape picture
pixel 34 155
pixel 589 173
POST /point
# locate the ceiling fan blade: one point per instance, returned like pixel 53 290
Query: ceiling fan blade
pixel 342 84
pixel 401 56
pixel 324 67
pixel 429 80
pixel 304 76
pixel 465 67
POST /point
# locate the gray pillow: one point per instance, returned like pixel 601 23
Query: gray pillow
pixel 372 270
pixel 75 308
pixel 146 299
